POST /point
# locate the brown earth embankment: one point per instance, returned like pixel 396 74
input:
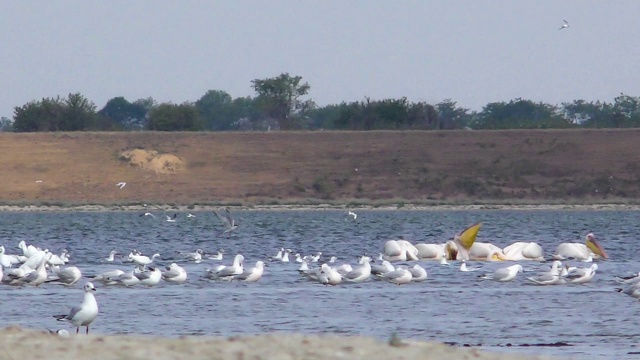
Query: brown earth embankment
pixel 539 166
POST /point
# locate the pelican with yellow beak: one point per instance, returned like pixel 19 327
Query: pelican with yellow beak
pixel 578 251
pixel 464 241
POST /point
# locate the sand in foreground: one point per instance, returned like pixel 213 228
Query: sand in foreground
pixel 25 344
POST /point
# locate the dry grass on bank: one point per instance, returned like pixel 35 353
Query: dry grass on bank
pixel 437 167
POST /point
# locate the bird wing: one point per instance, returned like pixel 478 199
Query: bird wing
pixel 224 219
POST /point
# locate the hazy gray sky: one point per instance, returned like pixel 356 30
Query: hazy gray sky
pixel 473 52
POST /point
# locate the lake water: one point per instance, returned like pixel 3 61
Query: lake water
pixel 593 320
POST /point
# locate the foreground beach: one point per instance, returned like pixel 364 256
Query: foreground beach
pixel 26 344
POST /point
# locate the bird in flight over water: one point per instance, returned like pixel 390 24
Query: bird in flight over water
pixel 565 25
pixel 227 220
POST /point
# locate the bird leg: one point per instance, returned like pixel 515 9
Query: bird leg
pixel 87 329
pixel 77 329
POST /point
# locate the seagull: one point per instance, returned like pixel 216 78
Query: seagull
pixel 565 25
pixel 174 274
pixel 352 214
pixel 111 256
pixel 172 218
pixel 227 220
pixel 218 256
pixel 121 184
pixel 190 215
pixel 147 214
pixel 85 313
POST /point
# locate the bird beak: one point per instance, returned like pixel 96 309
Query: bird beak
pixel 466 239
pixel 594 246
pixel 94 289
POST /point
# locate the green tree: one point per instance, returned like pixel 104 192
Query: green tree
pixel 520 114
pixel 78 113
pixel 589 114
pixel 217 109
pixel 124 114
pixel 6 124
pixel 451 116
pixel 171 117
pixel 280 99
pixel 43 115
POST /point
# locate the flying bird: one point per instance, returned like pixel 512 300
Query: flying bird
pixel 172 218
pixel 121 184
pixel 565 25
pixel 352 214
pixel 147 214
pixel 227 220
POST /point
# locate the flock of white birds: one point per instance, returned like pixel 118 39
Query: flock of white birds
pixel 33 266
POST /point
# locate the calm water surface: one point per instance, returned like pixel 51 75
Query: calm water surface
pixel 595 321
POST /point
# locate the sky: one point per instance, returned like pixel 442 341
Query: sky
pixel 473 52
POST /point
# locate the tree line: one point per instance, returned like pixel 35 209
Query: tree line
pixel 283 103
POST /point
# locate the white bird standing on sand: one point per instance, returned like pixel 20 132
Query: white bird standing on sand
pixel 85 313
pixel 565 25
pixel 227 220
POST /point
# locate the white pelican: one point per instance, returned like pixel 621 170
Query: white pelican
pixel 430 251
pixel 400 250
pixel 484 251
pixel 523 251
pixel 463 242
pixel 578 251
pixel 504 274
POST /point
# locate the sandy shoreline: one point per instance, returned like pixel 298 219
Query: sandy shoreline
pixel 26 344
pixel 184 208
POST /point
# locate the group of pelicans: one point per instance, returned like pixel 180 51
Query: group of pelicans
pixel 34 266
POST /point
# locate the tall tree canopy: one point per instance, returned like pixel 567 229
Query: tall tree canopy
pixel 171 117
pixel 56 114
pixel 124 114
pixel 280 99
